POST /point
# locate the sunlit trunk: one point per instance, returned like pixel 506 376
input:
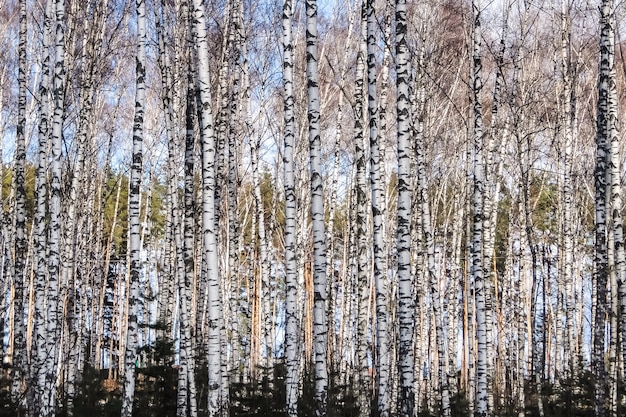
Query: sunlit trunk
pixel 130 355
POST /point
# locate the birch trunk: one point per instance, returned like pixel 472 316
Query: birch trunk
pixel 568 192
pixel 264 262
pixel 19 327
pixel 234 249
pixel 482 408
pixel 207 137
pixel 52 328
pixel 320 331
pixel 292 332
pixel 361 226
pixel 186 290
pixel 39 226
pixel 406 303
pixel 497 140
pixel 383 359
pixel 234 228
pixel 617 226
pixel 601 186
pixel 134 244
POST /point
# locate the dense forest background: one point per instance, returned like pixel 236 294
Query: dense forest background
pixel 333 208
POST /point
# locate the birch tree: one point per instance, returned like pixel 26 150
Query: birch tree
pixel 477 219
pixel 567 188
pixel 405 313
pixel 378 215
pixel 361 227
pixel 292 332
pixel 134 245
pixel 19 345
pixel 39 221
pixel 320 343
pixel 49 333
pixel 231 109
pixel 617 227
pixel 607 51
pixel 207 138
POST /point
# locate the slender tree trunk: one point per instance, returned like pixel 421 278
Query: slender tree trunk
pixel 54 307
pixel 39 226
pixel 617 227
pixel 482 394
pixel 361 230
pixel 520 295
pixel 188 257
pixel 174 210
pixel 292 332
pixel 234 229
pixel 613 315
pixel 238 326
pixel 454 304
pixel 406 302
pixel 130 354
pixel 207 138
pixel 320 330
pixel 19 344
pixel 497 139
pixel 615 253
pixel 469 299
pixel 264 262
pixel 602 141
pixel 567 192
pixel 383 359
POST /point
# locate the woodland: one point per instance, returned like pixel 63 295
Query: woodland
pixel 381 208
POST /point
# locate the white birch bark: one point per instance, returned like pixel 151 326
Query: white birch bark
pixel 264 262
pixel 239 305
pixel 292 332
pixel 52 328
pixel 222 99
pixel 613 300
pixel 567 192
pixel 455 282
pixel 39 226
pixel 600 180
pixel 188 257
pixel 469 301
pixel 383 359
pixel 361 226
pixel 406 302
pixel 478 219
pixel 207 137
pixel 134 244
pixel 519 299
pixel 19 327
pixel 234 228
pixel 320 331
pixel 617 226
